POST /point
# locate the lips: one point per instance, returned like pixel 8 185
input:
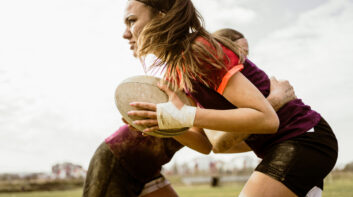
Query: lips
pixel 132 44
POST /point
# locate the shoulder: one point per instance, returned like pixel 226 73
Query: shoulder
pixel 229 58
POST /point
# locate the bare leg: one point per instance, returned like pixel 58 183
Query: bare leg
pixel 262 185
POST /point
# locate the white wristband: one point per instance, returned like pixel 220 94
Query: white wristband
pixel 170 117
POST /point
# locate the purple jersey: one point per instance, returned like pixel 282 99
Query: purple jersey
pixel 295 117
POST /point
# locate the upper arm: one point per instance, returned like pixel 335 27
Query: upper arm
pixel 243 94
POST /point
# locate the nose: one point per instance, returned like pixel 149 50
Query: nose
pixel 127 34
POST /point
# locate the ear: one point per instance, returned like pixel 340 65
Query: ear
pixel 161 14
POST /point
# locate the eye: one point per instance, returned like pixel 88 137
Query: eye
pixel 131 21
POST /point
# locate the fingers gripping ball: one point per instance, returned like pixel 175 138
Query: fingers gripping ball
pixel 144 89
pixel 170 117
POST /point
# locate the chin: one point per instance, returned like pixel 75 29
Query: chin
pixel 134 52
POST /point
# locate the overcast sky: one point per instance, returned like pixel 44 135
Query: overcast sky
pixel 61 60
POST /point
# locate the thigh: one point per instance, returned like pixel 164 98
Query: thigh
pixel 122 184
pixel 262 185
pixel 107 178
pixel 99 171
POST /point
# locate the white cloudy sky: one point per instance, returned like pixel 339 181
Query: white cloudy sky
pixel 61 60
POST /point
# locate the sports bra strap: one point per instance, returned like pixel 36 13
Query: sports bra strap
pixel 227 76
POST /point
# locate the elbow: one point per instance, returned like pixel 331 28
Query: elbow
pixel 205 148
pixel 205 151
pixel 269 122
pixel 272 124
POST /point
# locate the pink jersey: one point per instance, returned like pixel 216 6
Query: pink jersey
pixel 142 156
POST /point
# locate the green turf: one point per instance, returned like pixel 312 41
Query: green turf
pixel 70 193
pixel 229 190
pixel 335 187
pixel 341 187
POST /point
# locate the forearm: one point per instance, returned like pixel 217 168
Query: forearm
pixel 275 102
pixel 195 139
pixel 244 120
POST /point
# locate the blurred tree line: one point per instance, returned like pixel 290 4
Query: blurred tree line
pixel 348 167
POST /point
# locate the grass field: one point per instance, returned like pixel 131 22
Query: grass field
pixel 336 186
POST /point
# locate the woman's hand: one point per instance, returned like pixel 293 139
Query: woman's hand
pixel 281 92
pixel 172 96
pixel 148 111
pixel 132 128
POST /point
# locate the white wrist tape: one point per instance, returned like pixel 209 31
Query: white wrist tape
pixel 170 117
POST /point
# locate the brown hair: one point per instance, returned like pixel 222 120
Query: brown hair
pixel 170 36
pixel 231 34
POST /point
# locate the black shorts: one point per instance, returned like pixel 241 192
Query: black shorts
pixel 302 162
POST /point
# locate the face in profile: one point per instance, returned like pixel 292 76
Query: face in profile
pixel 136 16
pixel 243 43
